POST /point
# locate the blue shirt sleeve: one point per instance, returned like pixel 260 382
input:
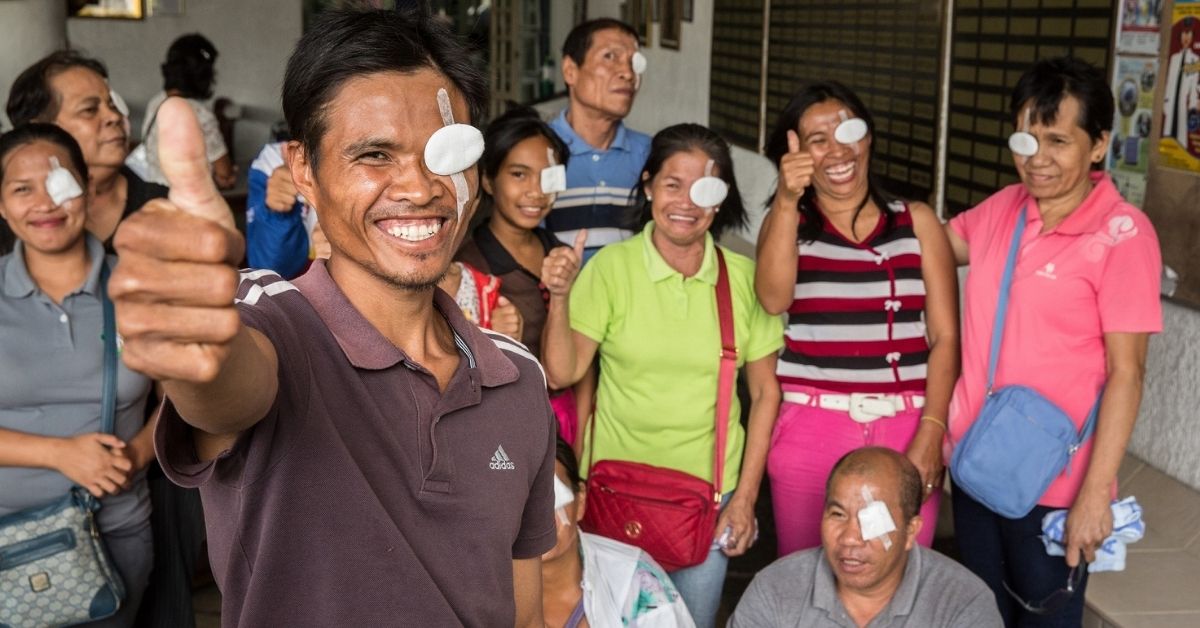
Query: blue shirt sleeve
pixel 274 240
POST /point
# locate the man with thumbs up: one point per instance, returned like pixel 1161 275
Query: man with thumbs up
pixel 366 455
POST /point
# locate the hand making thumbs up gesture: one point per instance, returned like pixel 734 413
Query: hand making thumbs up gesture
pixel 795 170
pixel 562 265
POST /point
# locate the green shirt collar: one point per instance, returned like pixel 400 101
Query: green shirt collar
pixel 659 269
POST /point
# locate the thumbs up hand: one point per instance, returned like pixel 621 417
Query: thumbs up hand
pixel 795 170
pixel 562 264
pixel 176 281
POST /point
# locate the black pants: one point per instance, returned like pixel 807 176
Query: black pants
pixel 999 550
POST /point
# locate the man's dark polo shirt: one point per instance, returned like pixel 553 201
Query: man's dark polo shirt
pixel 366 497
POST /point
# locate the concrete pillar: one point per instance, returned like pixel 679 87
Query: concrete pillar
pixel 29 29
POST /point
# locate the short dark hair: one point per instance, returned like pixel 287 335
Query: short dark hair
pixel 777 146
pixel 517 124
pixel 190 67
pixel 565 455
pixel 31 97
pixel 342 45
pixel 865 460
pixel 579 40
pixel 44 132
pixel 685 137
pixel 1044 85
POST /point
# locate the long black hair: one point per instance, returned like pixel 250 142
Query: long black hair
pixel 517 124
pixel 681 138
pixel 191 67
pixel 777 146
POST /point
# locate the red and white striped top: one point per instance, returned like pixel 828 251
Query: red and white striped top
pixel 857 320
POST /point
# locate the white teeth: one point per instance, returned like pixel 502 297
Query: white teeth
pixel 415 233
pixel 679 218
pixel 840 173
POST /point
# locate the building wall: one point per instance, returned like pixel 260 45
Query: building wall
pixel 29 29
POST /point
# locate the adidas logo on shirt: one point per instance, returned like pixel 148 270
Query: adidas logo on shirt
pixel 500 460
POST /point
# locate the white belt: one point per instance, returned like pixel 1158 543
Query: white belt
pixel 862 407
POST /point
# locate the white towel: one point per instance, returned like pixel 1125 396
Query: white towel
pixel 1128 527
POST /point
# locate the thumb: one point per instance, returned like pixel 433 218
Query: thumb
pixel 182 157
pixel 580 241
pixel 793 141
pixel 108 440
pixel 503 301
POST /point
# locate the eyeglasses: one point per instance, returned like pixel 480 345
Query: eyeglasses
pixel 1056 601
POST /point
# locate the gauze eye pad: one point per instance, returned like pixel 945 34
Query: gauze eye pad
pixel 61 184
pixel 452 149
pixel 119 103
pixel 850 130
pixel 554 177
pixel 1023 142
pixel 874 520
pixel 639 63
pixel 563 495
pixel 708 191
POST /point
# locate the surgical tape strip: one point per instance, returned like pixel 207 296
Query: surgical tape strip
pixel 554 177
pixel 61 184
pixel 452 149
pixel 1023 143
pixel 850 131
pixel 708 191
pixel 874 520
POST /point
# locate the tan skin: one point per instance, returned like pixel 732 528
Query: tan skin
pixel 601 89
pixel 679 236
pixel 56 256
pixel 175 286
pixel 562 566
pixel 815 158
pixel 1057 177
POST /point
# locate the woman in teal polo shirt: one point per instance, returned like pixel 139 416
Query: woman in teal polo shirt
pixel 647 305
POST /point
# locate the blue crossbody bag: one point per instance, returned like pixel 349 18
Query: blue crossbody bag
pixel 1021 441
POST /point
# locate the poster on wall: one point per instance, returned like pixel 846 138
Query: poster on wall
pixel 1139 27
pixel 1180 144
pixel 1129 151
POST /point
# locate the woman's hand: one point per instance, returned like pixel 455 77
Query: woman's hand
pixel 97 462
pixel 925 452
pixel 506 319
pixel 795 171
pixel 1089 522
pixel 738 516
pixel 561 266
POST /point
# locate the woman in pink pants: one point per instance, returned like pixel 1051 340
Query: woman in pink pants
pixel 869 287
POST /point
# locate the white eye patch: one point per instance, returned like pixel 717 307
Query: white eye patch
pixel 708 191
pixel 1023 143
pixel 554 177
pixel 563 494
pixel 61 184
pixel 452 149
pixel 639 63
pixel 119 102
pixel 874 520
pixel 850 130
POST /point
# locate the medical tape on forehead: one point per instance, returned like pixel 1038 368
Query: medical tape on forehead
pixel 875 521
pixel 61 185
pixel 563 495
pixel 554 177
pixel 452 149
pixel 708 191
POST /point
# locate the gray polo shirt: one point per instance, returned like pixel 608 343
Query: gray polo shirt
pixel 799 590
pixel 367 496
pixel 51 372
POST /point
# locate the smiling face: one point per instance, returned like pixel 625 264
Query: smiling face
pixel 380 207
pixel 1059 170
pixel 25 204
pixel 87 112
pixel 840 170
pixel 865 566
pixel 676 217
pixel 517 188
pixel 605 82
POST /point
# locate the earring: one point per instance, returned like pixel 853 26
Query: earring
pixel 649 198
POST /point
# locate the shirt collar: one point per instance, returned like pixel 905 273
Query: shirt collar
pixel 659 269
pixel 366 348
pixel 825 595
pixel 19 284
pixel 577 145
pixel 1089 216
pixel 499 260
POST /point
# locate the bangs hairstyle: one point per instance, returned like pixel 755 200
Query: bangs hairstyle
pixel 813 223
pixel 342 45
pixel 518 124
pixel 31 97
pixel 579 40
pixel 190 67
pixel 44 132
pixel 1045 84
pixel 681 138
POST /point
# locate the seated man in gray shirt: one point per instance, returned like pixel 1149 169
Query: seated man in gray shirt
pixel 870 570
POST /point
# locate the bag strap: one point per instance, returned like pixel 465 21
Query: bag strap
pixel 108 397
pixel 1002 305
pixel 728 373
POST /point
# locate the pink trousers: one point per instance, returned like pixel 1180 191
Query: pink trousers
pixel 805 445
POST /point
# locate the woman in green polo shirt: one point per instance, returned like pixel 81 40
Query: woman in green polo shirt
pixel 647 305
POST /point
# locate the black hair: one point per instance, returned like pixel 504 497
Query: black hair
pixel 579 40
pixel 565 455
pixel 777 146
pixel 865 460
pixel 32 99
pixel 190 67
pixel 517 124
pixel 685 137
pixel 342 45
pixel 1044 85
pixel 44 132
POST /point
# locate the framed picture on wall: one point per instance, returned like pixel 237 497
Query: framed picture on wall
pixel 689 10
pixel 639 14
pixel 670 29
pixel 110 9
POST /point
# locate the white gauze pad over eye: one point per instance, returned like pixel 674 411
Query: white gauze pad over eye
pixel 1023 143
pixel 61 184
pixel 638 61
pixel 563 495
pixel 708 191
pixel 119 103
pixel 874 520
pixel 452 149
pixel 554 177
pixel 850 130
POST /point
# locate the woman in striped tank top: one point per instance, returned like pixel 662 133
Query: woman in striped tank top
pixel 870 291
